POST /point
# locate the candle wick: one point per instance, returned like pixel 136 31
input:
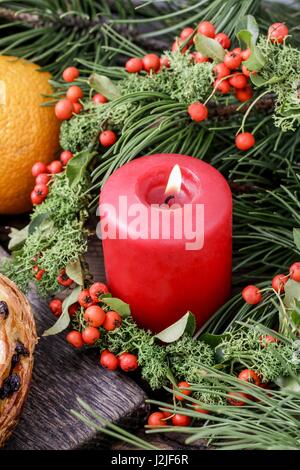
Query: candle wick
pixel 167 200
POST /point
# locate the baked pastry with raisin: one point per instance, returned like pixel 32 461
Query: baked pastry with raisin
pixel 17 342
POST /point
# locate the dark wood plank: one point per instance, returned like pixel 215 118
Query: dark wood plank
pixel 60 375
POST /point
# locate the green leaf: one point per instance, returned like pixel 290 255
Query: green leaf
pixel 212 340
pixel 292 293
pixel 74 271
pixel 105 86
pixel 247 30
pixel 256 61
pixel 290 384
pixel 17 237
pixel 117 305
pixel 77 166
pixel 209 47
pixel 63 322
pixel 42 222
pixel 246 38
pixel 259 81
pixel 296 234
pixel 295 315
pixel 186 324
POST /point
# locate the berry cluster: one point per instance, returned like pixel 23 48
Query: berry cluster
pixel 253 295
pixel 231 75
pixel 65 108
pixel 43 174
pixel 161 418
pixel 90 317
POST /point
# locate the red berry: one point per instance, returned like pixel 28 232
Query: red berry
pixel 99 99
pixel 97 290
pixel 42 179
pixel 238 81
pixel 224 40
pixel 267 339
pixel 251 295
pixel 63 279
pixel 128 362
pixel 107 138
pixel 245 54
pixel 182 387
pixel 207 29
pixel 35 199
pixel 234 398
pixel 94 316
pixel 74 93
pixel 237 50
pixel 85 299
pixel 56 307
pixel 200 410
pixel 75 339
pixel 244 141
pixel 222 85
pixel 38 168
pixel 108 360
pixel 157 419
pixel 278 282
pixel 73 309
pixel 245 94
pixel 64 109
pixel 65 157
pixel 90 335
pixel 248 375
pixel 198 111
pixel 55 167
pixel 164 61
pixel 70 74
pixel 41 190
pixel 151 62
pixel 112 321
pixel 278 32
pixel 221 70
pixel 134 65
pixel 232 60
pixel 186 33
pixel 295 272
pixel 77 108
pixel 176 46
pixel 199 58
pixel 40 274
pixel 181 420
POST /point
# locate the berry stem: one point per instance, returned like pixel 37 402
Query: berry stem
pixel 241 129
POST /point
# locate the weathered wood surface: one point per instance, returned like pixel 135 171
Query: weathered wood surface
pixel 60 375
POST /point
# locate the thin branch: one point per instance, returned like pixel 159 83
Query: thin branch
pixel 265 104
pixel 80 23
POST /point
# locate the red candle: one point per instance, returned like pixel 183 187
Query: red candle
pixel 167 247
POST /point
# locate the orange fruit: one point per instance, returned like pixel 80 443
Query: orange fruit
pixel 28 131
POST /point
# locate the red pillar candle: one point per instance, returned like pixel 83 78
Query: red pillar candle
pixel 166 260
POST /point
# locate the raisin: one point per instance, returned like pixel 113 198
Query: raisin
pixel 21 350
pixel 4 309
pixel 4 391
pixel 10 385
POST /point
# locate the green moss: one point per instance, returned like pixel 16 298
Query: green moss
pixel 283 63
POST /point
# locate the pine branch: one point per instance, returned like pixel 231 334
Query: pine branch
pixel 264 104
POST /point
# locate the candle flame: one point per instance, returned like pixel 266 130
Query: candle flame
pixel 174 181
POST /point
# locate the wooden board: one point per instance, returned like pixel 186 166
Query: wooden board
pixel 62 374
